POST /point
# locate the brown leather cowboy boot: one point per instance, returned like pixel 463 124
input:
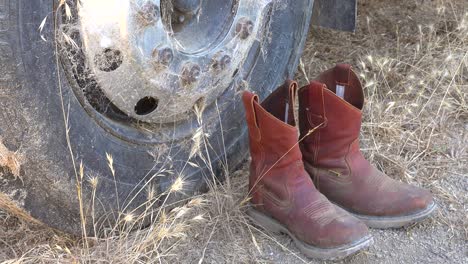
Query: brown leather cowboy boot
pixel 332 156
pixel 284 198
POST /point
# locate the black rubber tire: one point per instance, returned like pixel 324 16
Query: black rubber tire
pixel 32 129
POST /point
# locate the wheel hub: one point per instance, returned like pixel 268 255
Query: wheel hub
pixel 155 59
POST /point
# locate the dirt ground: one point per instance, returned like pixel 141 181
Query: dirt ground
pixel 412 58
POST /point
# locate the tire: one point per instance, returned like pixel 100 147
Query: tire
pixel 39 179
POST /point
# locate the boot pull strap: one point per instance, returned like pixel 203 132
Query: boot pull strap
pixel 342 73
pixel 289 116
pixel 346 78
pixel 250 99
pixel 342 76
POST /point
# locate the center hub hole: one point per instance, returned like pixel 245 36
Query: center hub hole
pixel 146 105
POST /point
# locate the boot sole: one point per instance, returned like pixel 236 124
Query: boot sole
pixel 384 222
pixel 310 251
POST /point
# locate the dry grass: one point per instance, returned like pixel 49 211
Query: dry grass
pixel 412 57
pixel 10 160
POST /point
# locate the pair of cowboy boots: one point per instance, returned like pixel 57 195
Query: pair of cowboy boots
pixel 320 190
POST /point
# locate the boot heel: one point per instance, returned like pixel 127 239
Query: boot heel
pixel 266 222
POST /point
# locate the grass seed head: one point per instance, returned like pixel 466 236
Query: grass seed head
pixel 178 185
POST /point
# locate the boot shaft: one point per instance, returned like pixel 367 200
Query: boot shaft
pixel 276 160
pixel 333 106
pixel 272 132
pixel 344 83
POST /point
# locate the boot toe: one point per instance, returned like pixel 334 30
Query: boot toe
pixel 413 205
pixel 398 199
pixel 418 199
pixel 345 230
pixel 407 200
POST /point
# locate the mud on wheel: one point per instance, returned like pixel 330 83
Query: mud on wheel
pixel 141 93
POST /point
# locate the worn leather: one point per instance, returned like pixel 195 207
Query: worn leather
pixel 279 185
pixel 332 155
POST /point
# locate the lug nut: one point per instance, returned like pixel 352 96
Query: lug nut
pixel 190 73
pixel 221 61
pixel 148 14
pixel 181 19
pixel 244 27
pixel 163 56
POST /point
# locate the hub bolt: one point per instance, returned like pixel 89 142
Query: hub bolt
pixel 181 19
pixel 221 61
pixel 190 73
pixel 148 14
pixel 244 27
pixel 163 56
